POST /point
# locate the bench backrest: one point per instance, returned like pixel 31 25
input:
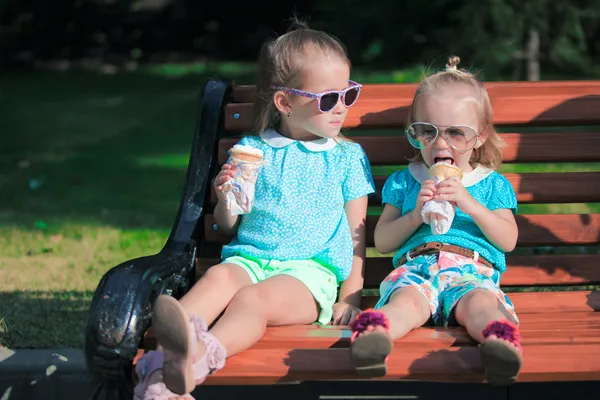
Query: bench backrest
pixel 557 123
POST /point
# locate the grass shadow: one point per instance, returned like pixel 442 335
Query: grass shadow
pixel 43 319
pixel 92 169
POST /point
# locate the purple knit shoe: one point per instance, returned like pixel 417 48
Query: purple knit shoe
pixel 502 354
pixel 370 351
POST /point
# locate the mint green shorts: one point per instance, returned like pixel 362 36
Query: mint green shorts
pixel 318 278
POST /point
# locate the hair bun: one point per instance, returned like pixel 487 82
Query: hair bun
pixel 452 63
pixel 297 24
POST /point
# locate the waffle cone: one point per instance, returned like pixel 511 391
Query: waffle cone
pixel 246 155
pixel 443 171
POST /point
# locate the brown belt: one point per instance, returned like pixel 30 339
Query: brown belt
pixel 435 247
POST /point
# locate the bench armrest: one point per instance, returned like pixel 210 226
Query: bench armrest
pixel 121 309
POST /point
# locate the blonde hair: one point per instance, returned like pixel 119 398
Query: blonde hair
pixel 489 154
pixel 280 63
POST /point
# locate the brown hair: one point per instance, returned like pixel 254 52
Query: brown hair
pixel 489 154
pixel 280 63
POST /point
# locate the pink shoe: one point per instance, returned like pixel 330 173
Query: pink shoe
pixel 370 352
pixel 149 372
pixel 501 358
pixel 179 336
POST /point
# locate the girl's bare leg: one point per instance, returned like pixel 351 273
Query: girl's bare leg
pixel 213 292
pixel 280 300
pixel 501 355
pixel 407 309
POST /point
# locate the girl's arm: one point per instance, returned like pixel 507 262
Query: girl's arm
pixel 351 288
pixel 226 223
pixel 394 229
pixel 498 226
pixel 356 187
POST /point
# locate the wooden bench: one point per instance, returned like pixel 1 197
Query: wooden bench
pixel 560 327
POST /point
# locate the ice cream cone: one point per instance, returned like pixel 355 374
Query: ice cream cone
pixel 246 153
pixel 443 171
pixel 247 161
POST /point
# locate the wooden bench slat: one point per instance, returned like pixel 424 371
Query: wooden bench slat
pixel 530 188
pixel 534 230
pixel 386 106
pixel 542 229
pixel 246 93
pixel 454 364
pixel 538 302
pixel 565 328
pixel 520 147
pixel 567 333
pixel 536 270
pixel 551 329
pixel 557 230
pixel 539 188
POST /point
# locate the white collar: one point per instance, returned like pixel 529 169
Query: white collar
pixel 420 172
pixel 277 140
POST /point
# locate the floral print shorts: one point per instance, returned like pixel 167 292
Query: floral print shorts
pixel 444 278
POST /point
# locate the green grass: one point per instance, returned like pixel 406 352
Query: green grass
pixel 91 172
pixel 86 184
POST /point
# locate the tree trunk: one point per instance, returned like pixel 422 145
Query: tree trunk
pixel 533 56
